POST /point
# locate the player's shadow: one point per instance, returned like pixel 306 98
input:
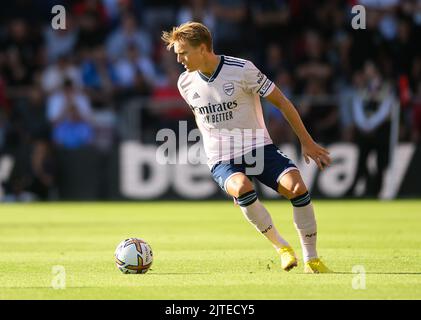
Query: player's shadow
pixel 379 273
pixel 175 273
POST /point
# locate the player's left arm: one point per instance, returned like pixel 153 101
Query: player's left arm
pixel 310 148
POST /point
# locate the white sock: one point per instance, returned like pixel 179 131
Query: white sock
pixel 305 223
pixel 257 215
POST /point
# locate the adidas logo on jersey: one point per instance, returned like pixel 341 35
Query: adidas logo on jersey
pixel 196 96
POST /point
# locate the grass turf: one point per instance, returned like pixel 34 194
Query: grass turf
pixel 207 250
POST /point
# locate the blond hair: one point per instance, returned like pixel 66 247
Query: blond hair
pixel 194 33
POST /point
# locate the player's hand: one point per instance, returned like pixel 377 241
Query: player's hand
pixel 319 155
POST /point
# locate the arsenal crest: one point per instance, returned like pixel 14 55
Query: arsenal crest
pixel 228 88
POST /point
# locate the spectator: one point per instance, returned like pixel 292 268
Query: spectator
pixel 372 108
pixel 230 26
pixel 54 76
pixel 16 187
pixel 314 64
pixel 196 10
pixel 27 10
pixel 4 112
pixel 61 41
pixel 69 111
pixel 403 48
pixel 416 115
pixel 271 18
pixel 135 74
pixel 128 34
pixel 93 7
pixel 22 53
pixel 4 100
pixel 42 171
pixel 275 60
pixel 33 174
pixel 158 15
pixel 364 45
pixel 319 112
pixel 99 77
pixel 91 32
pixel 32 115
pixel 104 124
pixel 116 9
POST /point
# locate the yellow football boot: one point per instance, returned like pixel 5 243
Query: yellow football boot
pixel 316 266
pixel 288 258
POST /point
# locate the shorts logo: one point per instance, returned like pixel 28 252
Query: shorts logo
pixel 280 152
pixel 228 88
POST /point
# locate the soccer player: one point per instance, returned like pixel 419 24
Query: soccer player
pixel 224 94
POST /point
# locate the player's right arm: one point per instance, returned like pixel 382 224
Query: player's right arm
pixel 310 148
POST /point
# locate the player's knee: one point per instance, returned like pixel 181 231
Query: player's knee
pixel 244 187
pixel 294 191
pixel 238 186
pixel 300 197
pixel 298 190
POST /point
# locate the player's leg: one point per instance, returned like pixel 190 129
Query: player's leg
pixel 292 186
pixel 241 188
pixel 282 175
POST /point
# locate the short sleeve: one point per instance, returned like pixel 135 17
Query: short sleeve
pixel 256 82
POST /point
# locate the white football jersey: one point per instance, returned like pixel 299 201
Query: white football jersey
pixel 227 107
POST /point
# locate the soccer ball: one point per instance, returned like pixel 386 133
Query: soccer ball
pixel 133 256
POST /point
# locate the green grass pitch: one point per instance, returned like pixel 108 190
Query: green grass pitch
pixel 207 250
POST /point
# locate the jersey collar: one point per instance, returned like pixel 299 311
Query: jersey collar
pixel 215 73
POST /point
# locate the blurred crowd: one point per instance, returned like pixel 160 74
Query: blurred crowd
pixel 68 88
